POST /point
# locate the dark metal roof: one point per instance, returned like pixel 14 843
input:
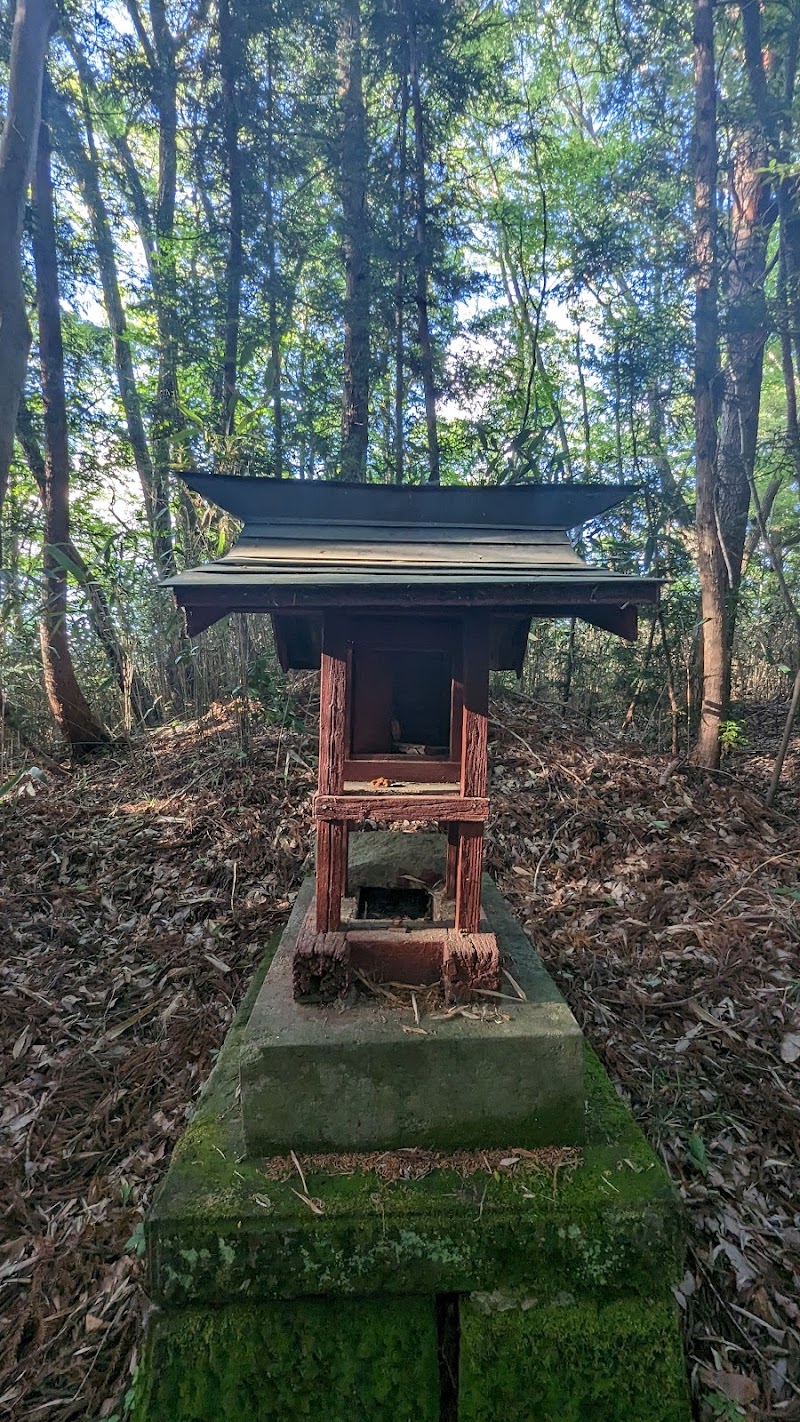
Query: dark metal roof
pixel 267 501
pixel 312 544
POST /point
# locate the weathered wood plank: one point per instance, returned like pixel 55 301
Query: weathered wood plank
pixel 471 962
pixel 422 769
pixel 333 709
pixel 468 877
pixel 385 806
pixel 453 841
pixel 391 955
pixel 321 965
pixel 331 873
pixel 475 717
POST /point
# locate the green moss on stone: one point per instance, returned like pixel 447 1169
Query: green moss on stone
pixel 373 1360
pixel 613 1224
pixel 622 1362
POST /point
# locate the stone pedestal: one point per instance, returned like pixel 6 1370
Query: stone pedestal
pixel 538 1292
pixel 356 1075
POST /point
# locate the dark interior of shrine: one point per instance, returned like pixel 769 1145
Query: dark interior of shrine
pixel 401 702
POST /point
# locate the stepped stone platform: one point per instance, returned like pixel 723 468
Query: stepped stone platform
pixel 540 1291
pixel 353 1076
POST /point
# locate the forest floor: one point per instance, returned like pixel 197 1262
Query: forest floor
pixel 137 894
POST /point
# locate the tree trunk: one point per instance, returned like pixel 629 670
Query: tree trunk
pixel 131 684
pixel 355 411
pixel 77 724
pixel 272 264
pixel 84 164
pixel 710 560
pixel 747 328
pixel 400 283
pixel 422 257
pixel 165 416
pixel 234 265
pixel 29 38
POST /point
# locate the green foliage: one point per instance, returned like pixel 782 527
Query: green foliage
pixel 560 295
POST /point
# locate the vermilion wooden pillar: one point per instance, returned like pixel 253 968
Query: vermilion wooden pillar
pixel 332 834
pixel 474 753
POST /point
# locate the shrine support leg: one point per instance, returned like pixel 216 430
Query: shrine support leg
pixel 331 873
pixel 331 834
pixel 468 878
pixel 474 749
pixel 451 877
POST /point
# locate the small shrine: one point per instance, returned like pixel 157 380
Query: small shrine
pixel 380 1212
pixel 406 599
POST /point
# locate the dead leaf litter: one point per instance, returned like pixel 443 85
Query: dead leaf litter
pixel 138 894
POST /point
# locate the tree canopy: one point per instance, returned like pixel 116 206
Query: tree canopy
pixel 407 242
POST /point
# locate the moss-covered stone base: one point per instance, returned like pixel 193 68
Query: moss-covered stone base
pixel 570 1362
pixel 370 1359
pixel 556 1283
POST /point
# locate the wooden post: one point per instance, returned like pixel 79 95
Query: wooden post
pixel 474 767
pixel 331 873
pixel 453 837
pixel 331 834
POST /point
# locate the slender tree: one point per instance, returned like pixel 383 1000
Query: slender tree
pixel 29 39
pixel 229 61
pixel 356 245
pixel 422 246
pixel 70 709
pixel 710 556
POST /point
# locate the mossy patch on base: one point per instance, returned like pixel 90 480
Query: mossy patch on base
pixel 370 1359
pixel 622 1362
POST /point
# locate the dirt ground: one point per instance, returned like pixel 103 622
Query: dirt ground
pixel 138 892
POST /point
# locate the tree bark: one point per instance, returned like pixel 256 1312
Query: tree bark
pixel 356 243
pixel 29 39
pixel 234 265
pixel 400 282
pixel 160 56
pixel 272 263
pixel 75 720
pixel 422 255
pixel 131 684
pixel 84 164
pixel 710 559
pixel 753 213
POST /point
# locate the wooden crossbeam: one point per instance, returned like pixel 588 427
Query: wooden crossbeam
pixel 386 807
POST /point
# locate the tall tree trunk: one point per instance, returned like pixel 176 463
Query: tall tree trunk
pixel 400 282
pixel 422 255
pixel 165 416
pixel 747 326
pixel 272 262
pixel 84 164
pixel 754 210
pixel 29 38
pixel 71 711
pixel 130 682
pixel 355 233
pixel 233 269
pixel 710 560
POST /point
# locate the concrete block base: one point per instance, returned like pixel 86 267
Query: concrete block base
pixel 541 1292
pixel 358 1075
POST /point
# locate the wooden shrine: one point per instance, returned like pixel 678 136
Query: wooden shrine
pixel 406 599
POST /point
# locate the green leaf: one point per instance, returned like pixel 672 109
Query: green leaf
pixel 787 893
pixel 136 1244
pixel 9 785
pixel 60 557
pixel 697 1152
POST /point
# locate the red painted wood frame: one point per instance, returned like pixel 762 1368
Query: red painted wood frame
pixel 335 810
pixel 465 845
pixel 369 635
pixel 332 833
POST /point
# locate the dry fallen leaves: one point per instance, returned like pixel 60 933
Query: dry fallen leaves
pixel 138 894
